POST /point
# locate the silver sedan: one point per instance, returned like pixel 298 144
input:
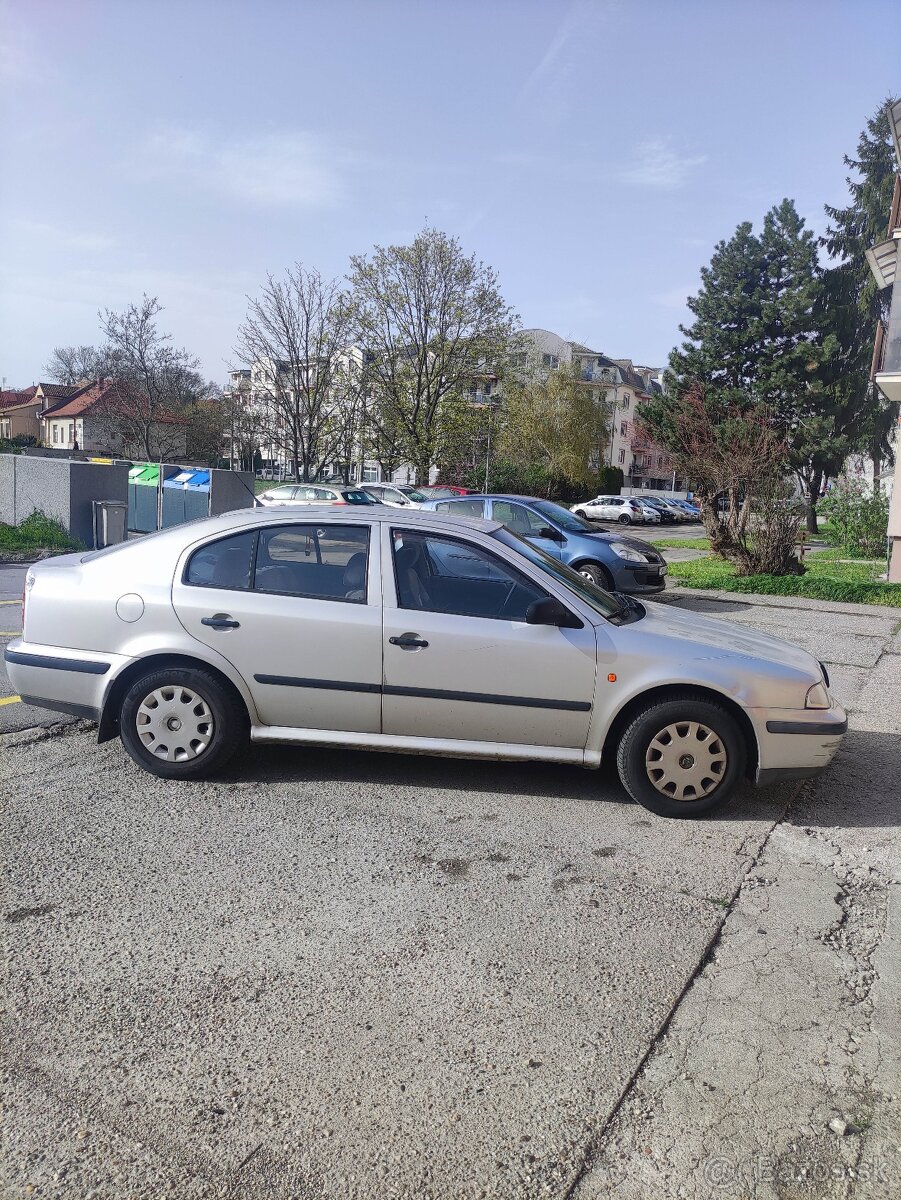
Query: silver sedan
pixel 414 632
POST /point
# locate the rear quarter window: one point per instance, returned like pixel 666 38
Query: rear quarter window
pixel 225 563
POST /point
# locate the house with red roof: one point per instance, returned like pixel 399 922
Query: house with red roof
pixel 19 414
pixel 110 417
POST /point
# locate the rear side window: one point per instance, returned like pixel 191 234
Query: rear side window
pixel 282 493
pixel 358 498
pixel 224 564
pixel 462 508
pixel 323 562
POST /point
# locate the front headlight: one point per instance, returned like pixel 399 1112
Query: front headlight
pixel 627 552
pixel 817 697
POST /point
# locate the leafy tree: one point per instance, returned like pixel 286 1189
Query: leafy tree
pixel 553 421
pixel 431 317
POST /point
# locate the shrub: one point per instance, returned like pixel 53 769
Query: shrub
pixel 37 532
pixel 857 516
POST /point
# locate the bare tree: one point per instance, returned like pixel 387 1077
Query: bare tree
pixel 432 318
pixel 75 365
pixel 295 340
pixel 156 382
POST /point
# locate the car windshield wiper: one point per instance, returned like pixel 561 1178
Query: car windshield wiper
pixel 629 610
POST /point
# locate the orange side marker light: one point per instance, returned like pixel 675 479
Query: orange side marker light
pixel 611 679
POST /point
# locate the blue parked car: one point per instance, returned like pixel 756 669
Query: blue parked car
pixel 611 560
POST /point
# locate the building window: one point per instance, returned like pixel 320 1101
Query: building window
pixel 623 429
pixel 550 360
pixel 626 399
pixel 622 456
pixel 369 475
pixel 518 360
pixel 55 434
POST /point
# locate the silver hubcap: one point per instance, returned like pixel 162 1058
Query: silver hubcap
pixel 686 760
pixel 175 724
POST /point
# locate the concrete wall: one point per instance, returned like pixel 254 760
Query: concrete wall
pixel 230 490
pixel 59 488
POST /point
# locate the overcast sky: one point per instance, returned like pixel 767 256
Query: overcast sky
pixel 592 152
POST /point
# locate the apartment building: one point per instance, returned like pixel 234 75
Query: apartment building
pixel 624 387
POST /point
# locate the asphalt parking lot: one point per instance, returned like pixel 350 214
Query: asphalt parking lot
pixel 349 975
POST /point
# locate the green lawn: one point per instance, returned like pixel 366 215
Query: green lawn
pixel 827 578
pixel 698 543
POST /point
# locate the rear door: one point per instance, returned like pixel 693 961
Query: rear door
pixel 460 660
pixel 296 609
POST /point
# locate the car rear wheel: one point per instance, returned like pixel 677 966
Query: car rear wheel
pixel 596 574
pixel 181 723
pixel 681 757
pixel 625 519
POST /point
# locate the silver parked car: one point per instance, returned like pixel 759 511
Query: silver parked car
pixel 409 631
pixel 315 493
pixel 625 510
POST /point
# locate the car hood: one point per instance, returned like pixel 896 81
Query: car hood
pixel 694 638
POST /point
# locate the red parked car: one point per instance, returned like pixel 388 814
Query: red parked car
pixel 443 491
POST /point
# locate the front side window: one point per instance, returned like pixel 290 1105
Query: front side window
pixel 358 497
pixel 438 574
pixel 281 493
pixel 518 518
pixel 324 562
pixel 561 517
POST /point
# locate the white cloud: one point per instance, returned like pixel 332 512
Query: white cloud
pixel 290 169
pixel 656 164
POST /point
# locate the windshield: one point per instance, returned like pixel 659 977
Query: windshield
pixel 601 601
pixel 358 498
pixel 562 516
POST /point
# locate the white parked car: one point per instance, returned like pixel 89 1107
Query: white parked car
pixel 395 495
pixel 626 510
pixel 315 493
pixel 418 632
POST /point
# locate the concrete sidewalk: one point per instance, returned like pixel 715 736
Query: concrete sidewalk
pixel 779 1074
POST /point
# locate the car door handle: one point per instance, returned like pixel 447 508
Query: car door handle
pixel 409 641
pixel 220 621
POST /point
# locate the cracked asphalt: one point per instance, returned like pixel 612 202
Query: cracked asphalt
pixel 350 975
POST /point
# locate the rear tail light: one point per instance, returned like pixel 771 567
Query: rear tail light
pixel 26 588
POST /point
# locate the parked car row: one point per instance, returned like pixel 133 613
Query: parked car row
pixel 639 510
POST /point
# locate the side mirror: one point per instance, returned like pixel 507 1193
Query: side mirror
pixel 553 535
pixel 551 612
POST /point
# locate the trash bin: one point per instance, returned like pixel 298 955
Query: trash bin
pixel 110 518
pixel 174 493
pixel 197 496
pixel 143 484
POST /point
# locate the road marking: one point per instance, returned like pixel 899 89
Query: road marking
pixel 11 633
pixel 10 601
pixel 11 700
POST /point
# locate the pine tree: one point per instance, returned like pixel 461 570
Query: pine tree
pixel 851 305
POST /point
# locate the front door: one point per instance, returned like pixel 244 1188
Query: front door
pixel 461 662
pixel 296 609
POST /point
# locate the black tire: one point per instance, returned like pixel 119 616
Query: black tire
pixel 200 704
pixel 580 512
pixel 624 519
pixel 712 781
pixel 597 574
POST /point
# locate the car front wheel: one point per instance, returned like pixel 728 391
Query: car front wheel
pixel 595 574
pixel 181 723
pixel 681 757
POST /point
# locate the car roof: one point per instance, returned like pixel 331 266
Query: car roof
pixel 372 512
